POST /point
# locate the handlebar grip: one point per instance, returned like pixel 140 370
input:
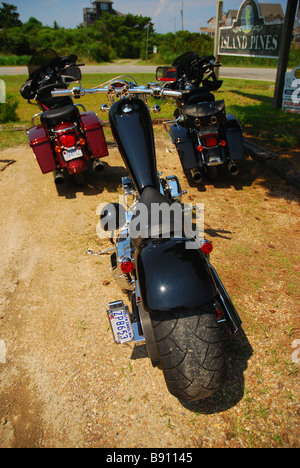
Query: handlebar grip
pixel 62 93
pixel 167 92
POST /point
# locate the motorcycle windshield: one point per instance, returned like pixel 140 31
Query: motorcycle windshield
pixel 40 60
pixel 184 59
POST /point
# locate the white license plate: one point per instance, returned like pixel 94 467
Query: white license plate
pixel 69 155
pixel 121 325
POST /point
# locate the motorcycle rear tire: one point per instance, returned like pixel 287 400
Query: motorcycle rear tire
pixel 191 353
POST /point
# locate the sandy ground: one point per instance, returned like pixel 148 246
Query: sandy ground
pixel 64 382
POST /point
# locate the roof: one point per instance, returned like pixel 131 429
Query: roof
pixel 102 1
pixel 271 8
pixel 233 13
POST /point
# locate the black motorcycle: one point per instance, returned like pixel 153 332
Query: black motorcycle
pixel 204 136
pixel 178 302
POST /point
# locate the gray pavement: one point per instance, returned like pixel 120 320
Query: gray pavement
pixel 266 74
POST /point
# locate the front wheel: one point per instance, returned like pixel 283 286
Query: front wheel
pixel 189 348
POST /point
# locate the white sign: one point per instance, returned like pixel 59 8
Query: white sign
pixel 291 91
pixel 2 91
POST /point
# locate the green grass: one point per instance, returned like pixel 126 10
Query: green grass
pixel 249 101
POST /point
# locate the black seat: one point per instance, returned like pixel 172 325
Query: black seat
pixel 204 114
pixel 53 117
pixel 144 226
pixel 44 95
pixel 204 109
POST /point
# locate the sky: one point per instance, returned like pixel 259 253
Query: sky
pixel 164 13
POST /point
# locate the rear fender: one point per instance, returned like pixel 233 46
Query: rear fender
pixel 171 276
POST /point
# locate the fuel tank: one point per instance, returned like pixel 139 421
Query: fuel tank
pixel 132 129
pixel 172 276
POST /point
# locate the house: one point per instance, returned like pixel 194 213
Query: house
pixel 211 26
pixel 272 12
pixel 90 15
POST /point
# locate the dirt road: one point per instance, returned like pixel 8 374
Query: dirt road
pixel 63 381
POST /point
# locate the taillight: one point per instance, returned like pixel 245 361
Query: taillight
pixel 206 247
pixel 211 141
pixel 127 266
pixel 219 314
pixel 68 139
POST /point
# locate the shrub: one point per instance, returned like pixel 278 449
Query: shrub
pixel 8 110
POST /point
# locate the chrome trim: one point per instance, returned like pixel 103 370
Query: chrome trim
pixel 80 105
pixel 232 318
pixel 35 115
pixel 65 129
pixel 122 252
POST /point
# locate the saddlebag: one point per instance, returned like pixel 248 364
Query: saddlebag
pixel 185 146
pixel 92 127
pixel 204 114
pixel 234 138
pixel 38 140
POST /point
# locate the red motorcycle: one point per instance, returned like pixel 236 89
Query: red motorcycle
pixel 66 141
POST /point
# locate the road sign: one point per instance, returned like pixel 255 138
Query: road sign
pixel 2 91
pixel 291 91
pixel 250 35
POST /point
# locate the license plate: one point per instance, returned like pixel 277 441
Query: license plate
pixel 72 154
pixel 120 323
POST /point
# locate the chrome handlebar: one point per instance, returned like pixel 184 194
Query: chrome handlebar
pixel 156 92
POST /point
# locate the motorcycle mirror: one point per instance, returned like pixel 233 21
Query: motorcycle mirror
pixel 72 58
pixel 166 74
pixel 73 73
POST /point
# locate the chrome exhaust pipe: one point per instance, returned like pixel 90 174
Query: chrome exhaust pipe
pixel 233 169
pixel 98 166
pixel 58 178
pixel 197 176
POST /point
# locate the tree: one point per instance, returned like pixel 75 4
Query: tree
pixel 9 18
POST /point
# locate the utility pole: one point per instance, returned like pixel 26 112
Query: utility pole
pixel 181 12
pixel 147 40
pixel 284 51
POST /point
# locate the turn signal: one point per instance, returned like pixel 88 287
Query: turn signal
pixel 206 247
pixel 82 141
pixel 127 266
pixel 223 142
pixel 200 148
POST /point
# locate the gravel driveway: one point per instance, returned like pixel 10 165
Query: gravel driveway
pixel 63 381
